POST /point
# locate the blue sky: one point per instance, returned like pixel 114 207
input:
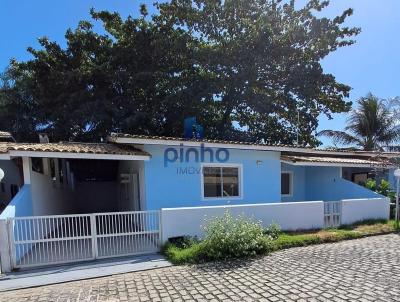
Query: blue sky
pixel 371 65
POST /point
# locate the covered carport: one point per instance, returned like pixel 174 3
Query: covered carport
pixel 79 202
pixel 78 178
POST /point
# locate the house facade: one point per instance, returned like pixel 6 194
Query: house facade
pixel 132 193
pixel 138 173
pixel 194 173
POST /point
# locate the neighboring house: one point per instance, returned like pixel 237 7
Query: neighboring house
pixel 144 173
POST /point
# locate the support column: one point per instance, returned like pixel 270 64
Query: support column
pixel 26 166
pixel 46 166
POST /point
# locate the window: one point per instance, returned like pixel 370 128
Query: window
pixel 221 182
pixel 286 183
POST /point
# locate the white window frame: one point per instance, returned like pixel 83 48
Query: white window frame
pixel 220 165
pixel 290 183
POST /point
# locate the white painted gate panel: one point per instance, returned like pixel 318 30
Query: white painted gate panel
pixel 42 240
pixel 127 233
pixel 332 213
pixel 47 240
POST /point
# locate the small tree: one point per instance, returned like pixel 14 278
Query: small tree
pixel 371 126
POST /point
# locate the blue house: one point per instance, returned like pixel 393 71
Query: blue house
pixel 185 173
pixel 133 172
pixel 107 199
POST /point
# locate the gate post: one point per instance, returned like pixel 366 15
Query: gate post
pixel 5 257
pixel 93 231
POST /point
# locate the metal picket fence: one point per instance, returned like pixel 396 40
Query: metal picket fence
pixel 45 240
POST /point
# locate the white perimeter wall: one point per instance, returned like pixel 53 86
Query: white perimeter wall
pixel 290 216
pixel 354 210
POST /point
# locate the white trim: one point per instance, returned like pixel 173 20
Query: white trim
pixel 222 165
pixel 290 183
pixel 77 155
pixel 5 156
pixel 186 143
pixel 322 164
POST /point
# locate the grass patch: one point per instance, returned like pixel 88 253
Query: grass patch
pixel 178 255
pixel 194 253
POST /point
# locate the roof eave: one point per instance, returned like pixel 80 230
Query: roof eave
pixel 343 165
pixel 74 155
pixel 194 143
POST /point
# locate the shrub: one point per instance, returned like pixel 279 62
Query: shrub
pixel 383 188
pixel 183 242
pixel 233 237
pixel 273 231
pixel 370 184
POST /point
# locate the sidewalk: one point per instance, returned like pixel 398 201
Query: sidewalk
pixel 86 270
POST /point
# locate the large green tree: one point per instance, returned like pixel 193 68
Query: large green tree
pixel 248 70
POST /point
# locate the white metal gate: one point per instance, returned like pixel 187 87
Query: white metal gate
pixel 332 213
pixel 46 240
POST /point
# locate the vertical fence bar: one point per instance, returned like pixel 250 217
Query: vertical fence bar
pixel 93 230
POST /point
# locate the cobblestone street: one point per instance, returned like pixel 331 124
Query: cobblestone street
pixel 357 270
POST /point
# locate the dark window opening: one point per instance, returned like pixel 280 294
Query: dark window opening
pixel 286 184
pixel 94 170
pixel 37 164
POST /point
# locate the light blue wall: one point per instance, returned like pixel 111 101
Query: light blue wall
pixel 20 205
pixel 165 187
pixel 299 182
pixel 323 183
pixel 320 181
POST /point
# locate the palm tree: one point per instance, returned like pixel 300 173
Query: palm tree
pixel 371 126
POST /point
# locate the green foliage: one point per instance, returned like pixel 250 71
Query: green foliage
pixel 273 231
pixel 184 242
pixel 371 126
pixel 225 237
pixel 370 184
pixel 383 188
pixel 255 64
pixel 195 252
pixel 190 254
pixel 292 240
pixel 233 237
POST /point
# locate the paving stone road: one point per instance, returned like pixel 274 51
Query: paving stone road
pixel 357 270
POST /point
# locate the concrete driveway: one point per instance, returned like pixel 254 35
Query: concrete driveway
pixel 357 270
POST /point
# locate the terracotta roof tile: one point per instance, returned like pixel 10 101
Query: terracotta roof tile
pixel 5 134
pixel 72 147
pixel 333 160
pixel 346 152
pixel 114 136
